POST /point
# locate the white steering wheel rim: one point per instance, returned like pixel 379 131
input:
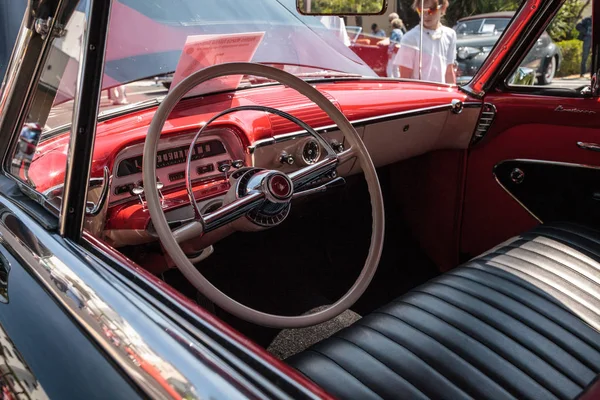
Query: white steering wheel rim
pixel 169 242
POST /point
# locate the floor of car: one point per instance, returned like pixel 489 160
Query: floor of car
pixel 312 259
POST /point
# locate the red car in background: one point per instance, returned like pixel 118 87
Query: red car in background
pixel 373 50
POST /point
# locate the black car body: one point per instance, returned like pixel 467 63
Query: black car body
pixel 477 35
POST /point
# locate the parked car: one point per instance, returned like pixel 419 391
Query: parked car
pixel 373 50
pixel 477 35
pixel 317 233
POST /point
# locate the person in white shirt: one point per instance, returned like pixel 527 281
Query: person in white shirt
pixel 337 24
pixel 438 47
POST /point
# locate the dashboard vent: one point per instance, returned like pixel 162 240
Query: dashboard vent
pixel 488 113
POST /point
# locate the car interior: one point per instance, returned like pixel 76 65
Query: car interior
pixel 379 236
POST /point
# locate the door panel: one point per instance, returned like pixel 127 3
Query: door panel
pixel 553 191
pixel 526 127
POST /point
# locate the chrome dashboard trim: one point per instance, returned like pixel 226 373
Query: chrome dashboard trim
pixel 359 122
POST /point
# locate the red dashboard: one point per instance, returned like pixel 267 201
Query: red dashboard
pixel 397 120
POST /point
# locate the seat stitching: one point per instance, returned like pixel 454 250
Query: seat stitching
pixel 533 378
pixel 542 356
pixel 503 334
pixel 451 350
pixel 548 284
pixel 548 316
pixel 593 282
pixel 410 351
pixel 384 364
pixel 345 370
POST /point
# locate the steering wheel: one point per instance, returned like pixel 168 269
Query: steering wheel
pixel 264 188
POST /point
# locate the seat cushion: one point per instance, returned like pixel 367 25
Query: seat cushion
pixel 521 321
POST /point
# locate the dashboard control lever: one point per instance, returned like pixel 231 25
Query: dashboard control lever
pixel 159 187
pixel 337 146
pixel 138 191
pixel 320 189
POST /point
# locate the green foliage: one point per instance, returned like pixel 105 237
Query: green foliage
pixel 571 64
pixel 561 28
pixel 563 24
pixel 458 9
pixel 341 7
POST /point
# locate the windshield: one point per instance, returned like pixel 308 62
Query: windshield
pixel 153 44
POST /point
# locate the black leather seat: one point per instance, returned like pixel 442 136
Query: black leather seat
pixel 521 321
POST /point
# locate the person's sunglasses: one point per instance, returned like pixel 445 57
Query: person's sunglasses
pixel 430 11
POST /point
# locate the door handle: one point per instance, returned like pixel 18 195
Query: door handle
pixel 589 146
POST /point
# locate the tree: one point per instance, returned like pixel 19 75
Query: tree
pixel 561 28
pixel 563 24
pixel 341 7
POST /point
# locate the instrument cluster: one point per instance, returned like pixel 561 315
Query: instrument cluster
pixel 213 155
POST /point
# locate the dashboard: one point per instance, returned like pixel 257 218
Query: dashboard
pixel 396 120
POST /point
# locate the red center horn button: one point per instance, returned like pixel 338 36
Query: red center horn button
pixel 280 186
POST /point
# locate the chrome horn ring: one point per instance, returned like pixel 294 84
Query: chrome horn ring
pixel 219 219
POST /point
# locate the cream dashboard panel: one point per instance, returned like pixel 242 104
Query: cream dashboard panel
pixel 268 153
pixel 389 139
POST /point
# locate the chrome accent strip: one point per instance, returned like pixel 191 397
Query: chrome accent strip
pixel 588 146
pixel 359 122
pixel 517 200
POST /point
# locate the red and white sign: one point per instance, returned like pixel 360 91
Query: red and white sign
pixel 201 51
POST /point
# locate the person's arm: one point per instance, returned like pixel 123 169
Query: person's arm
pixel 406 57
pixel 406 72
pixel 451 59
pixel 450 74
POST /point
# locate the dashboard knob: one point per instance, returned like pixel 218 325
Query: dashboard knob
pixel 237 164
pixel 224 167
pixel 286 158
pixel 337 146
pixel 159 185
pixel 137 191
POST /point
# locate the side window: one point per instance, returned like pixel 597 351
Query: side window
pixel 561 56
pixel 39 155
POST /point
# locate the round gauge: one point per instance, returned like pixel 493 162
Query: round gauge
pixel 311 151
